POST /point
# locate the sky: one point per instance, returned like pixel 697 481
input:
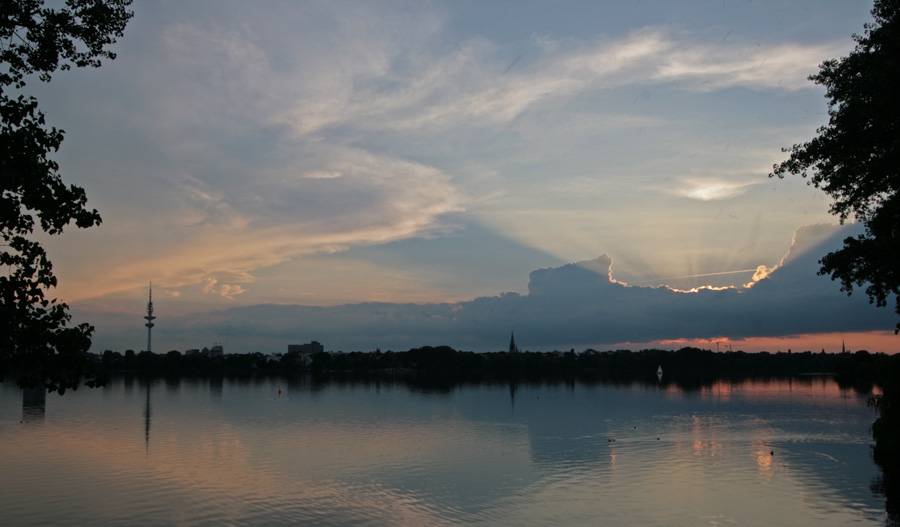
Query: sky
pixel 399 174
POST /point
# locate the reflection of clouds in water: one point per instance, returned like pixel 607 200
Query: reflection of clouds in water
pixel 763 455
pixel 718 437
pixel 224 469
pixel 828 457
pixel 719 392
pixel 352 454
pixel 708 448
pixel 704 430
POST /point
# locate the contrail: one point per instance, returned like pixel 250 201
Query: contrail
pixel 696 276
pixel 513 63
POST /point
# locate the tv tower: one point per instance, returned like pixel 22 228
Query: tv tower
pixel 149 316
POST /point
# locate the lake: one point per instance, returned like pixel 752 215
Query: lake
pixel 238 452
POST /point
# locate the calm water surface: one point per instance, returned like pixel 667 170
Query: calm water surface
pixel 238 453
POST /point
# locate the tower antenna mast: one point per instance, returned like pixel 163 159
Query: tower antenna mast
pixel 150 317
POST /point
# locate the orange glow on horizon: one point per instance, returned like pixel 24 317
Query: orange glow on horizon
pixel 872 341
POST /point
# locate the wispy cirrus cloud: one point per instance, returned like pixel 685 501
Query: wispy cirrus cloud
pixel 263 132
pixel 371 82
pixel 465 87
pixel 772 67
pixel 222 237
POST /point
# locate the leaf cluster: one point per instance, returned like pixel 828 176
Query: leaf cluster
pixel 35 41
pixel 855 158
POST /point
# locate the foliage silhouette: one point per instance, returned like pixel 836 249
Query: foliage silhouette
pixel 687 366
pixel 36 340
pixel 855 158
pixel 886 433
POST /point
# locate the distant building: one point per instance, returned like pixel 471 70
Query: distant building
pixel 305 351
pixel 193 351
pixel 311 347
pixel 216 351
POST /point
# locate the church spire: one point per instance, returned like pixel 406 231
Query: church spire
pixel 512 343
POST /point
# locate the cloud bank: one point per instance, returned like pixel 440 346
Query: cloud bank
pixel 575 305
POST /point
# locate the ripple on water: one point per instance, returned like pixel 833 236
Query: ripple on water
pixel 360 457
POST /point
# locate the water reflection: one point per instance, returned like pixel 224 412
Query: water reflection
pixel 173 384
pixel 216 386
pixel 147 420
pixel 34 403
pixel 887 486
pixel 381 452
pixel 764 456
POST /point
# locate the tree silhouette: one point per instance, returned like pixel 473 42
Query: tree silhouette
pixel 856 157
pixel 36 340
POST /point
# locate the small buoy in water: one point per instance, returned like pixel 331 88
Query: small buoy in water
pixel 279 392
pixel 771 452
pixel 657 439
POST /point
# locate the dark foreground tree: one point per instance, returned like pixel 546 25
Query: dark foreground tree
pixel 856 157
pixel 37 341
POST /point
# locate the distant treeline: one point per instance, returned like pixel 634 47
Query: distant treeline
pixel 684 363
